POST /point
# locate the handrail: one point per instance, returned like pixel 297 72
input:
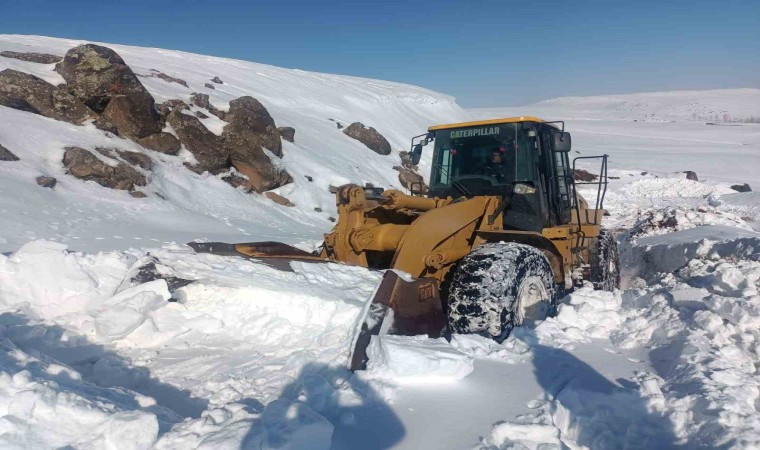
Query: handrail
pixel 601 191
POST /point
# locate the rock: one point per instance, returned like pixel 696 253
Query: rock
pixel 318 209
pixel 741 187
pixel 279 199
pixel 86 166
pixel 332 219
pixel 136 159
pixel 209 85
pixel 690 175
pixel 406 160
pixel 236 181
pixel 170 105
pixel 161 142
pixel 339 125
pixel 250 130
pixel 309 178
pixel 7 155
pixel 26 92
pixel 207 148
pixel 218 113
pixel 584 176
pixel 168 78
pixel 41 58
pixel 138 194
pixel 644 173
pixel 411 180
pixel 46 182
pixel 201 100
pixel 250 120
pixel 217 80
pixel 200 115
pixel 99 78
pixel 369 137
pixel 287 133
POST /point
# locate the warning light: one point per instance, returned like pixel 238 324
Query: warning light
pixel 453 152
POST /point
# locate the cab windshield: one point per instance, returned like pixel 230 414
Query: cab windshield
pixel 483 156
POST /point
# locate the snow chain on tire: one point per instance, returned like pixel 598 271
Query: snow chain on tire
pixel 605 262
pixel 488 283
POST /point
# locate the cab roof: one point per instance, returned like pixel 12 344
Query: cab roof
pixel 486 122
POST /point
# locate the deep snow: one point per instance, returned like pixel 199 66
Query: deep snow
pixel 95 354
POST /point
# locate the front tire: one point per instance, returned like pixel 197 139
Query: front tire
pixel 500 286
pixel 605 262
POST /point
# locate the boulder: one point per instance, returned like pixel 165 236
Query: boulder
pixel 202 100
pixel 86 166
pixel 369 137
pixel 46 182
pixel 209 85
pixel 262 175
pixel 287 133
pixel 138 194
pixel 741 187
pixel 236 181
pixel 7 155
pixel 101 79
pixel 411 180
pixel 26 92
pixel 136 159
pixel 279 199
pixel 40 58
pixel 250 120
pixel 161 142
pixel 691 175
pixel 217 80
pixel 207 148
pixel 406 160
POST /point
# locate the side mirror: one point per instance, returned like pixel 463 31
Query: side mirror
pixel 561 141
pixel 416 154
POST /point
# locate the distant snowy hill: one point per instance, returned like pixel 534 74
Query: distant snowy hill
pixel 717 105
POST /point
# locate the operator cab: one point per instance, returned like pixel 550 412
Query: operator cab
pixel 523 159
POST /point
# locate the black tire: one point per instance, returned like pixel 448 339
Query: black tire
pixel 605 262
pixel 487 285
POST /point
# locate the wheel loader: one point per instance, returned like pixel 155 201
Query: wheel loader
pixel 495 239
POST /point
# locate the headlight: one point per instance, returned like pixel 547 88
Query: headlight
pixel 522 189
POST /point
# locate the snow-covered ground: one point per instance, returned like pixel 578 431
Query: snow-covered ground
pixel 104 344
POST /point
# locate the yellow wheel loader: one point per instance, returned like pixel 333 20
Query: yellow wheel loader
pixel 498 236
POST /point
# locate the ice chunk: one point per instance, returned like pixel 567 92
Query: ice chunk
pixel 416 359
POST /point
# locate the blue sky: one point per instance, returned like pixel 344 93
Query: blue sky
pixel 485 53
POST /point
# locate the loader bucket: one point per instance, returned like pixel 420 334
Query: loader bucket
pixel 416 309
pixel 255 250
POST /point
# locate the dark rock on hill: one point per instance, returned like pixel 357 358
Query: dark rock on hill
pixel 40 58
pixel 7 155
pixel 250 120
pixel 209 85
pixel 101 79
pixel 741 187
pixel 86 166
pixel 583 175
pixel 46 182
pixel 26 92
pixel 217 80
pixel 369 137
pixel 691 175
pixel 202 100
pixel 203 144
pixel 170 105
pixel 411 180
pixel 161 142
pixel 167 78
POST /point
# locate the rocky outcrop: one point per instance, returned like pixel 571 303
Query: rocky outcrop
pixel 165 77
pixel 209 85
pixel 7 155
pixel 369 137
pixel 170 105
pixel 26 92
pixel 287 133
pixel 217 80
pixel 207 148
pixel 86 166
pixel 250 130
pixel 134 158
pixel 691 175
pixel 161 142
pixel 40 58
pixel 202 100
pixel 46 182
pixel 101 79
pixel 249 119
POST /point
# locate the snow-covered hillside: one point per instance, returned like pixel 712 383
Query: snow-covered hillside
pixel 84 215
pixel 114 334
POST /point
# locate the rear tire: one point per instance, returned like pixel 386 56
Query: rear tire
pixel 605 262
pixel 500 286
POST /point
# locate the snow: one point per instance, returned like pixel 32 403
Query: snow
pixel 242 354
